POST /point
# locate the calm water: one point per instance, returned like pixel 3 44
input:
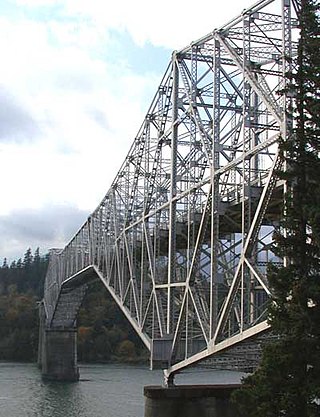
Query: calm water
pixel 103 390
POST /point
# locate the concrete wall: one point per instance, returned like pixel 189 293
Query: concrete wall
pixel 42 321
pixel 189 401
pixel 59 355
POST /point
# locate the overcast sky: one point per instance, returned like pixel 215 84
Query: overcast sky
pixel 76 78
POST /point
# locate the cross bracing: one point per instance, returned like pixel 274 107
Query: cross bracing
pixel 183 237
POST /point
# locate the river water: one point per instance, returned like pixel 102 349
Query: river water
pixel 108 390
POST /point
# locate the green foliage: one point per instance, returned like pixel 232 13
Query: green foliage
pixel 287 382
pixel 21 286
pixel 27 276
pixel 18 326
pixel 104 334
pixel 126 350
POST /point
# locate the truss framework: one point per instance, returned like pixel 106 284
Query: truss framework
pixel 183 237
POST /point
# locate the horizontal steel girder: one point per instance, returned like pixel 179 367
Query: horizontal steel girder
pixel 183 237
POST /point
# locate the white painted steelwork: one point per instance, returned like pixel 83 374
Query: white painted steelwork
pixel 183 237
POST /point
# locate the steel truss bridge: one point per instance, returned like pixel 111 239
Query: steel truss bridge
pixel 184 235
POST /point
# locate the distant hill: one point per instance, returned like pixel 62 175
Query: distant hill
pixel 103 332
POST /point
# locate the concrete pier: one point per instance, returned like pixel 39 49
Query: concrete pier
pixel 189 401
pixel 59 355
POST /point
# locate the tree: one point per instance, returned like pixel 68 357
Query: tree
pixel 103 329
pixel 28 259
pixel 21 286
pixel 36 257
pixel 287 383
pixel 127 350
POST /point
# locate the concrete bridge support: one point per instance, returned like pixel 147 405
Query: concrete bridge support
pixel 57 352
pixel 59 355
pixel 189 401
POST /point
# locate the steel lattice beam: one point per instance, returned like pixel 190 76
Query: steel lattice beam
pixel 183 237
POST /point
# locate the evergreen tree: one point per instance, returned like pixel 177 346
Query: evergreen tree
pixel 39 268
pixel 288 381
pixel 36 257
pixel 28 259
pixel 4 276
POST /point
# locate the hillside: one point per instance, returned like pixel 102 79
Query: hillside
pixel 103 333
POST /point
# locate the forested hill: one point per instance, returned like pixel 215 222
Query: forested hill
pixel 103 332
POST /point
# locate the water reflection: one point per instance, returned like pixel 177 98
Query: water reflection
pixel 59 400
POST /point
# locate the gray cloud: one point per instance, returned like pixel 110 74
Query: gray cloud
pixel 16 124
pixel 100 118
pixel 51 226
pixel 75 80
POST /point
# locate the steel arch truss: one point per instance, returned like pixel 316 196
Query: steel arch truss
pixel 183 237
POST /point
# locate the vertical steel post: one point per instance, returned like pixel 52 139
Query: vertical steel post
pixel 215 179
pixel 246 169
pixel 286 59
pixel 173 191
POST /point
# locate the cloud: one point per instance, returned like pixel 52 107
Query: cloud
pixel 77 78
pixel 46 227
pixel 37 3
pixel 170 24
pixel 99 117
pixel 79 106
pixel 16 123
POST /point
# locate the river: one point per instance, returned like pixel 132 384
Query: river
pixel 108 390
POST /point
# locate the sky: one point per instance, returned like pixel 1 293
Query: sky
pixel 76 79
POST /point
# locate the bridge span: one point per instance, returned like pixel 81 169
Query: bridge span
pixel 183 237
